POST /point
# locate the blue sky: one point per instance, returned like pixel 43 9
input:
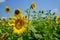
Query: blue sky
pixel 24 4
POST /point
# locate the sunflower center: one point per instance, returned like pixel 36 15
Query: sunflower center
pixel 33 5
pixel 7 9
pixel 19 24
pixel 17 12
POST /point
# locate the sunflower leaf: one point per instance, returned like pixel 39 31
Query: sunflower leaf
pixel 38 36
pixel 32 29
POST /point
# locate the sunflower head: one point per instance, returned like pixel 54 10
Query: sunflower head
pixel 33 5
pixel 7 8
pixel 20 24
pixel 18 12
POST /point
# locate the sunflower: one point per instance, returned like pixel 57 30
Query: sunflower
pixel 11 22
pixel 18 12
pixel 48 18
pixel 20 24
pixel 33 5
pixel 56 19
pixel 7 8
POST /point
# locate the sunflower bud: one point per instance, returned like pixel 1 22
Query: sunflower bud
pixel 34 14
pixel 42 11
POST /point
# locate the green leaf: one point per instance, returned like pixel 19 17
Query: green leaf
pixel 38 36
pixel 20 38
pixel 32 28
pixel 9 38
pixel 0 31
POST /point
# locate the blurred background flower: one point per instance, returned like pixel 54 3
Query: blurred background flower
pixel 18 12
pixel 33 5
pixel 7 9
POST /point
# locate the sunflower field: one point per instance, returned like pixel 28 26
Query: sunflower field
pixel 33 26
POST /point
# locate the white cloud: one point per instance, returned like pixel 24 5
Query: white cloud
pixel 2 1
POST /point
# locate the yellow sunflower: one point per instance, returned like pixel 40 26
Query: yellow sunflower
pixel 11 22
pixel 7 8
pixel 33 5
pixel 48 18
pixel 19 25
pixel 56 19
pixel 18 12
